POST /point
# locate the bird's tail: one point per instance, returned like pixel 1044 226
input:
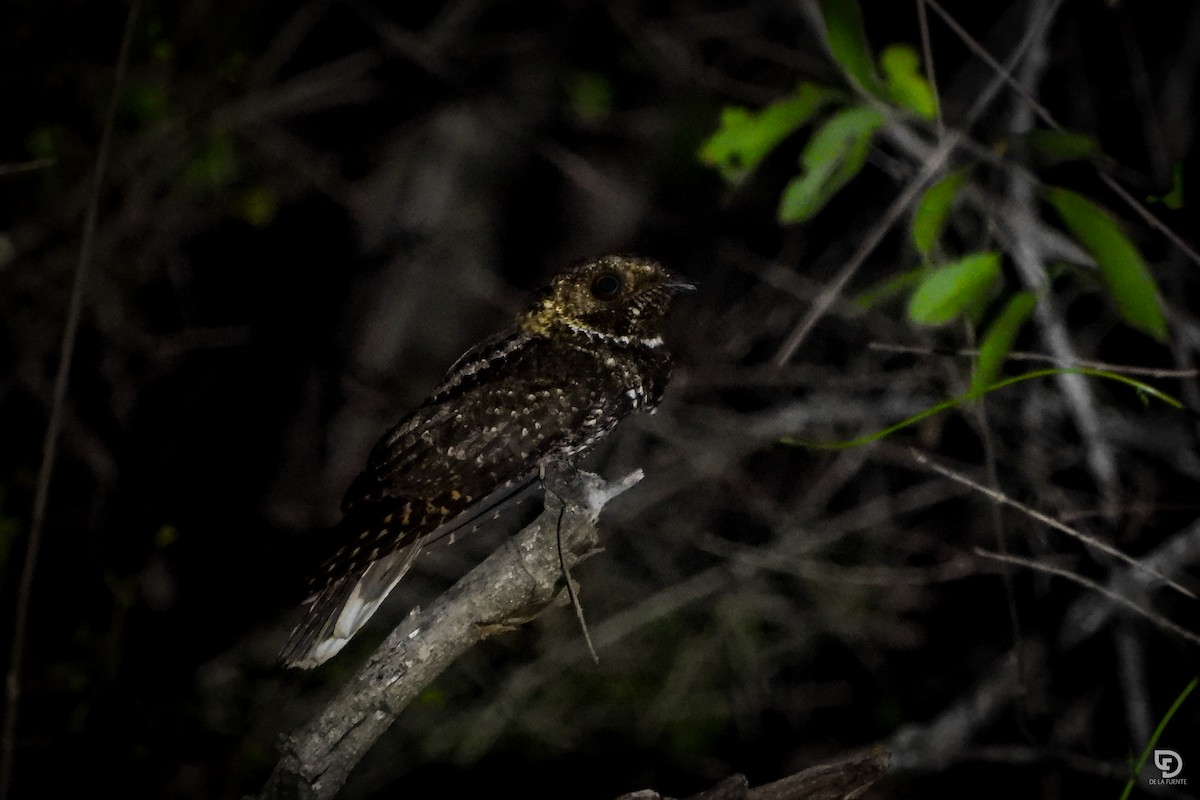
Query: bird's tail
pixel 335 613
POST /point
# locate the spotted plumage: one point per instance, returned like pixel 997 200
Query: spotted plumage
pixel 586 353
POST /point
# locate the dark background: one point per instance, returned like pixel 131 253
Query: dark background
pixel 311 209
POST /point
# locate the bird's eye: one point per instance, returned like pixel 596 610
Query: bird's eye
pixel 606 286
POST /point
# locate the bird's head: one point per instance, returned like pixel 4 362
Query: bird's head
pixel 614 299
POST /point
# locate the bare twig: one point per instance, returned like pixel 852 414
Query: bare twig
pixel 1140 209
pixel 997 518
pixel 927 50
pixel 1088 540
pixel 1042 358
pixel 1028 755
pixel 1174 557
pixel 1131 669
pixel 25 166
pixel 1116 597
pixel 1002 71
pixel 12 685
pixel 571 594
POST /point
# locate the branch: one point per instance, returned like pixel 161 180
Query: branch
pixel 512 586
pixel 838 780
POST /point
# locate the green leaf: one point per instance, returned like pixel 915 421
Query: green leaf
pixel 891 287
pixel 848 43
pixel 834 155
pixel 744 138
pixel 998 341
pixel 933 210
pixel 1125 274
pixel 906 84
pixel 1055 147
pixel 954 289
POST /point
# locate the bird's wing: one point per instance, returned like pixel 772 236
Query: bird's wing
pixel 448 465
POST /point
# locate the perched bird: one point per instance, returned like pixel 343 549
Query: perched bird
pixel 586 353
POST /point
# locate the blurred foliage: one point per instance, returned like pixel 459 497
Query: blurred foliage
pixel 839 148
pixel 933 210
pixel 848 45
pixel 959 288
pixel 836 153
pixel 1051 147
pixel 745 138
pixel 1121 265
pixel 906 85
pixel 999 338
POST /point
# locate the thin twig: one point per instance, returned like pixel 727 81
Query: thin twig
pixel 965 352
pixel 1010 595
pixel 982 53
pixel 12 685
pixel 927 49
pixel 1157 619
pixel 1176 555
pixel 1140 209
pixel 1134 680
pixel 566 571
pixel 25 166
pixel 1090 541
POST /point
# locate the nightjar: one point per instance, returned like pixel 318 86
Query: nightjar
pixel 587 352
